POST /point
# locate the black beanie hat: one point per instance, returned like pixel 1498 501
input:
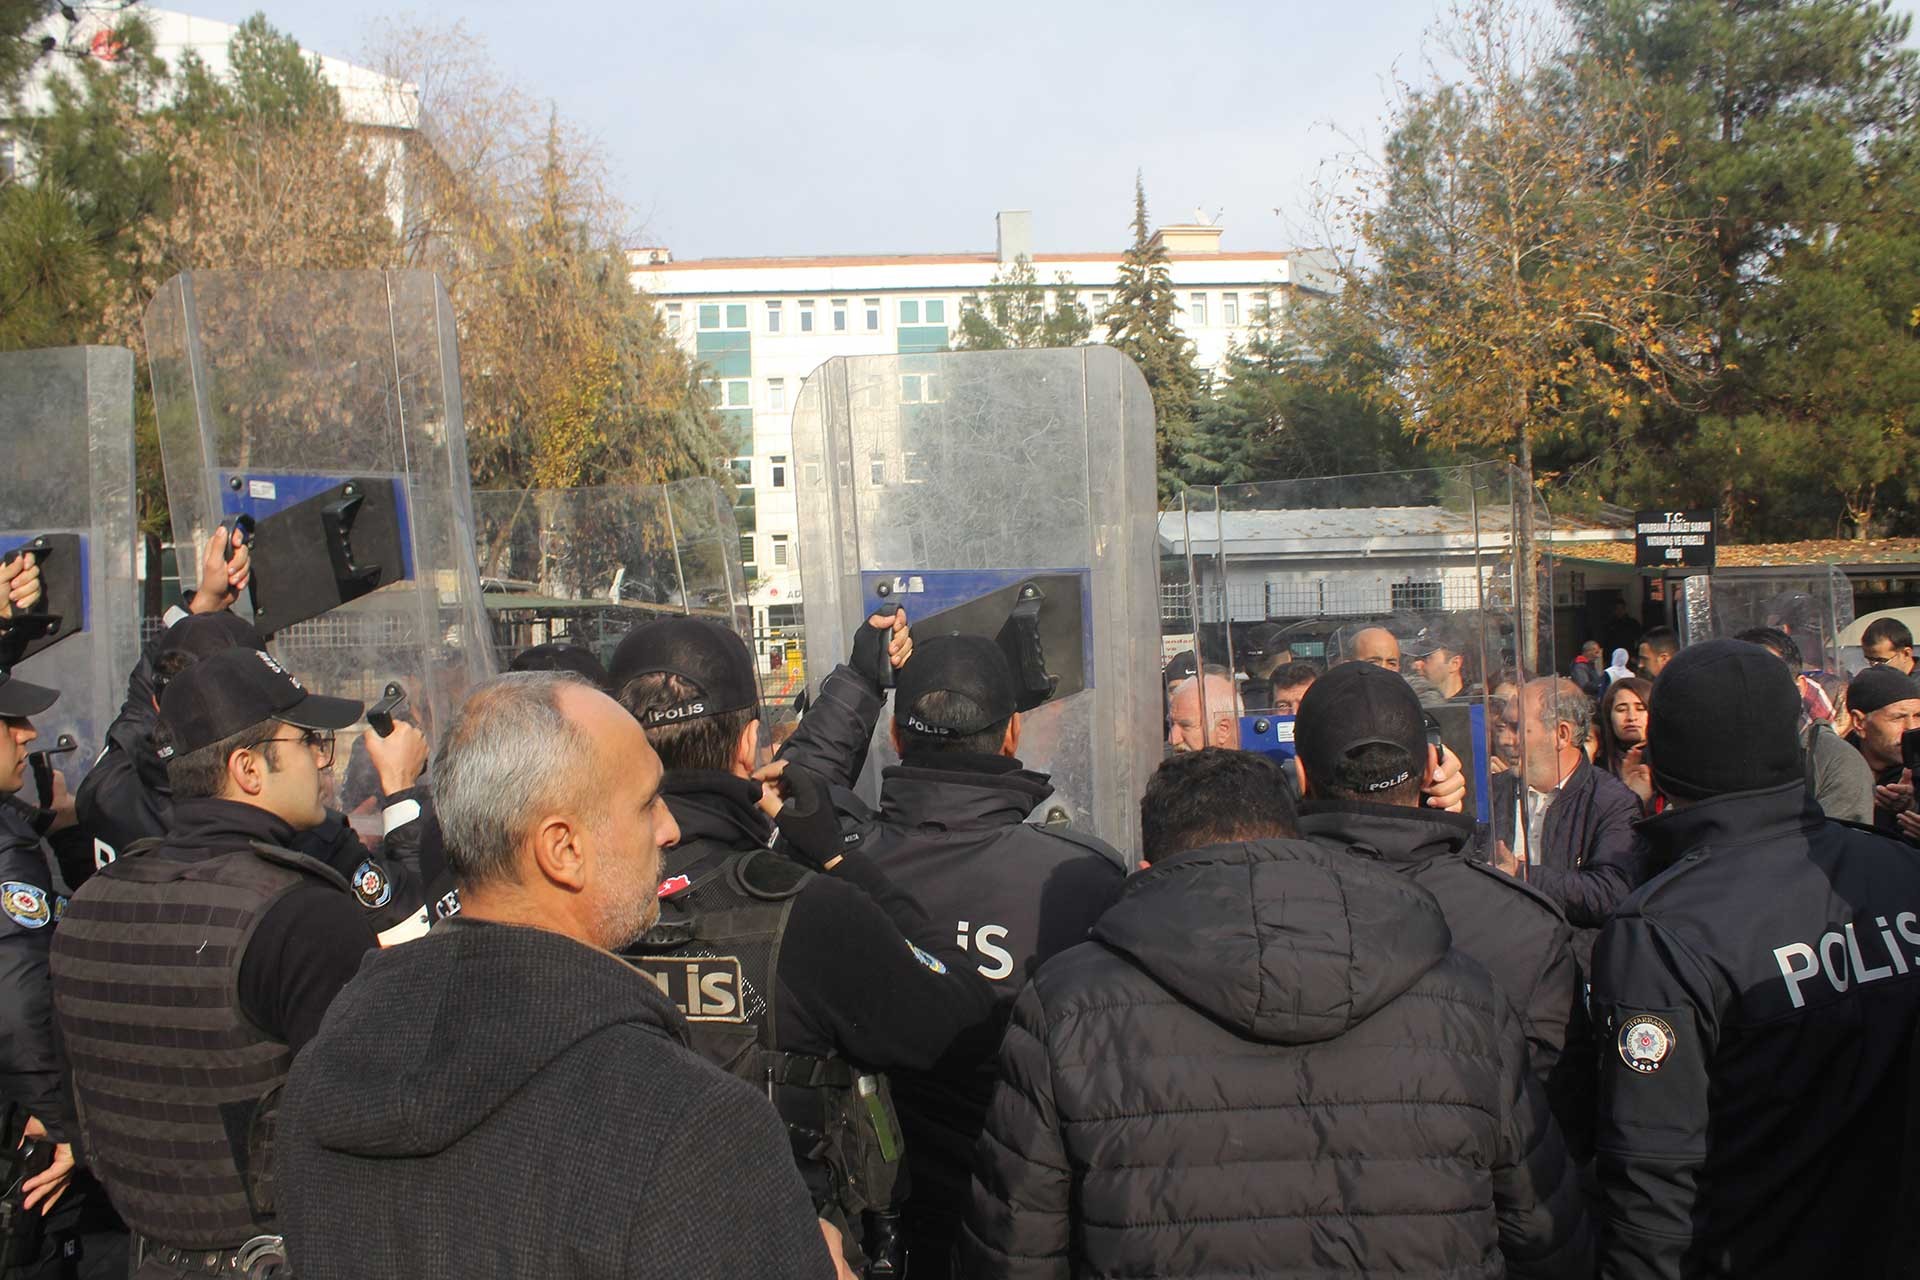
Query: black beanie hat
pixel 1878 687
pixel 1723 717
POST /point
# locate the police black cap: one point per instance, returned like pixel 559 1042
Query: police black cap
pixel 19 698
pixel 1356 705
pixel 972 666
pixel 712 659
pixel 560 656
pixel 228 691
pixel 202 635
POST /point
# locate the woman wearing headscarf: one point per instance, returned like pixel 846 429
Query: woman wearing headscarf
pixel 1618 670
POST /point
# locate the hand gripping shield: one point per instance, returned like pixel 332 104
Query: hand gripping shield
pixel 1007 494
pixel 586 566
pixel 1441 571
pixel 66 424
pixel 321 409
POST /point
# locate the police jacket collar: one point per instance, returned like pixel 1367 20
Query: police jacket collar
pixel 1740 817
pixel 712 807
pixel 212 827
pixel 1394 834
pixel 960 791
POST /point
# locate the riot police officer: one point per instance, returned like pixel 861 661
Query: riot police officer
pixel 953 832
pixel 186 977
pixel 125 798
pixel 796 977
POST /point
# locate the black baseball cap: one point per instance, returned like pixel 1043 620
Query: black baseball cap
pixel 1355 705
pixel 228 691
pixel 560 656
pixel 205 634
pixel 708 656
pixel 974 667
pixel 1266 639
pixel 18 698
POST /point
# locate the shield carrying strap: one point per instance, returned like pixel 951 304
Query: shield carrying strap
pixel 802 1070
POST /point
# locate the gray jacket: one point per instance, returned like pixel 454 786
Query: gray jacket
pixel 1837 774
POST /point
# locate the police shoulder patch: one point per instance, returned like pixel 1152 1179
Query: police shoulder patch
pixel 930 961
pixel 25 904
pixel 1645 1043
pixel 371 886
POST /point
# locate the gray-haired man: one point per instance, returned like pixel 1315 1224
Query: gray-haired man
pixel 505 1096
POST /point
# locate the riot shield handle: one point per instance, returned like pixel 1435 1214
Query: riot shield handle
pixel 380 714
pixel 37 621
pixel 1020 641
pixel 41 763
pixel 886 609
pixel 337 518
pixel 239 534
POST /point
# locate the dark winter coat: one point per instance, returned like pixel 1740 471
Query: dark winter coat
pixel 1512 930
pixel 1592 858
pixel 492 1101
pixel 1269 1062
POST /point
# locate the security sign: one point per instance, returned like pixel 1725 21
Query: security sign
pixel 1673 539
pixel 1645 1042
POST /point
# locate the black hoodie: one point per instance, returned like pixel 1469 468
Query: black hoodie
pixel 494 1101
pixel 1269 1062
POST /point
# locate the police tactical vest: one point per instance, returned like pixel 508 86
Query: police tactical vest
pixel 175 1088
pixel 716 954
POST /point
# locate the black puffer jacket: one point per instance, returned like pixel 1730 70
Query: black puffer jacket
pixel 1269 1062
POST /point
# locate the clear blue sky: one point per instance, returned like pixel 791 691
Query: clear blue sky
pixel 847 126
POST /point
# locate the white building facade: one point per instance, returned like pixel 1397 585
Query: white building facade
pixel 762 325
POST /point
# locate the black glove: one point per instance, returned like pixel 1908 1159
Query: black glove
pixel 809 824
pixel 870 660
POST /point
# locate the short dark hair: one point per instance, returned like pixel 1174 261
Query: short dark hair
pixel 944 706
pixel 1892 630
pixel 1776 642
pixel 1292 674
pixel 1214 796
pixel 703 743
pixel 1661 639
pixel 200 775
pixel 1347 778
pixel 168 665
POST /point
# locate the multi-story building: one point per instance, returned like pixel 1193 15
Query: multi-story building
pixel 761 325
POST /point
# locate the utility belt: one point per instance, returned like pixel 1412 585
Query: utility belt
pixel 261 1258
pixel 859 1145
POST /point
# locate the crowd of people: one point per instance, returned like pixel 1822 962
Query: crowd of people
pixel 619 991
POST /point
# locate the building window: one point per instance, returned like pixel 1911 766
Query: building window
pixel 739 393
pixel 709 315
pixel 909 388
pixel 673 318
pixel 783 615
pixel 742 469
pixel 839 315
pixel 779 550
pixel 746 548
pixel 936 311
pixel 1099 304
pixel 736 315
pixel 773 317
pixel 1262 307
pixel 872 306
pixel 916 468
pixel 877 472
pixel 923 311
pixel 1417 597
pixel 1229 308
pixel 777 394
pixel 806 317
pixel 909 312
pixel 1197 308
pixel 777 471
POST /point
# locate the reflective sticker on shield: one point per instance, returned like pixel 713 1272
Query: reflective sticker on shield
pixel 1645 1042
pixel 371 886
pixel 25 904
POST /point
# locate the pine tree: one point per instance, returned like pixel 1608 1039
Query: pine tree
pixel 1142 323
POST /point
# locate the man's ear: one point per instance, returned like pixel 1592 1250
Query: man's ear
pixel 247 772
pixel 746 750
pixel 893 736
pixel 558 855
pixel 1300 776
pixel 1010 745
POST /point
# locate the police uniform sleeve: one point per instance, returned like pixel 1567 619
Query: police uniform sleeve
pixel 1656 1016
pixel 1537 1203
pixel 33 1069
pixel 1018 1221
pixel 886 1001
pixel 832 739
pixel 308 946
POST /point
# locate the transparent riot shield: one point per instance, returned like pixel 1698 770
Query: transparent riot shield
pixel 66 423
pixel 1437 574
pixel 1006 493
pixel 1813 604
pixel 586 566
pixel 322 410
